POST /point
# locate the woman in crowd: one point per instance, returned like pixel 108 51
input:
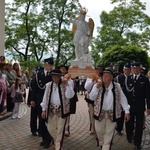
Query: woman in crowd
pixel 10 77
pixel 17 69
pixel 3 89
pixel 17 91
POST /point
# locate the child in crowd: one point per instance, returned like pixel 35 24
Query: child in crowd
pixel 17 90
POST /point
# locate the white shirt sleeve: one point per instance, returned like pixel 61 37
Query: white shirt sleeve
pixel 88 84
pixel 94 92
pixel 124 102
pixel 69 92
pixel 43 103
pixel 71 83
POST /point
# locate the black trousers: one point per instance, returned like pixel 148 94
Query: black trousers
pixel 135 126
pixel 42 127
pixel 9 103
pixel 120 122
pixel 34 121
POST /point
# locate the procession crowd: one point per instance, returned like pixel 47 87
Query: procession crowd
pixel 114 99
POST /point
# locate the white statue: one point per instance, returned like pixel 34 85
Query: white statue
pixel 82 34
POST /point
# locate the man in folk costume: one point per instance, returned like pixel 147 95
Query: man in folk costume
pixel 88 86
pixel 64 72
pixel 108 99
pixel 56 106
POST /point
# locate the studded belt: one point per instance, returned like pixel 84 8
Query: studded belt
pixel 53 106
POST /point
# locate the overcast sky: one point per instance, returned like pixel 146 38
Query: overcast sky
pixel 95 7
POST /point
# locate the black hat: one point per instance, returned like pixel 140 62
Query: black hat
pixel 99 66
pixel 38 68
pixel 135 64
pixel 49 60
pixel 127 65
pixel 144 70
pixel 64 67
pixel 108 70
pixel 115 66
pixel 2 58
pixel 56 72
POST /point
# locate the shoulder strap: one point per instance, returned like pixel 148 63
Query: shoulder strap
pixel 36 76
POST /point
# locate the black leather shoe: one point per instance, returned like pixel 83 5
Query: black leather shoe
pixel 129 139
pixel 137 148
pixel 46 145
pixel 34 133
pixel 42 143
pixel 100 147
pixel 39 135
pixel 119 133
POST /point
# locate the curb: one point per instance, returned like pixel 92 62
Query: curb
pixel 7 115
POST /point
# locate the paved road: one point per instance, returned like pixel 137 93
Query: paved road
pixel 15 133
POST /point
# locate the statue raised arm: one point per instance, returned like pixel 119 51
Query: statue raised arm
pixel 82 34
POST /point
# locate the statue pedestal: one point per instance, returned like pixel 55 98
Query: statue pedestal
pixel 75 71
pixel 82 67
pixel 81 63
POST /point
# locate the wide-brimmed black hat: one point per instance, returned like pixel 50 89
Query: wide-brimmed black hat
pixel 49 60
pixel 108 70
pixel 56 72
pixel 99 66
pixel 64 67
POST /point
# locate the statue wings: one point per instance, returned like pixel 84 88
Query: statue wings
pixel 74 28
pixel 91 26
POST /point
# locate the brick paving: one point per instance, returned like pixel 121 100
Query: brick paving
pixel 15 133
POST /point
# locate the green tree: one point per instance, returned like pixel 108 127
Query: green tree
pixel 126 24
pixel 124 54
pixel 23 21
pixel 57 16
pixel 36 27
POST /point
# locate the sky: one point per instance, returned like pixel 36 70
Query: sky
pixel 95 7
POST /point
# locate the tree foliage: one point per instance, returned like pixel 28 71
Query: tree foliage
pixel 36 27
pixel 126 24
pixel 124 54
pixel 22 29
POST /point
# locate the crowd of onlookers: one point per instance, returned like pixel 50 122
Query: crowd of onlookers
pixel 13 82
pixel 10 73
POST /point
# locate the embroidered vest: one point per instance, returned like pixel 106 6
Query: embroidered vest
pixel 116 113
pixel 64 102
